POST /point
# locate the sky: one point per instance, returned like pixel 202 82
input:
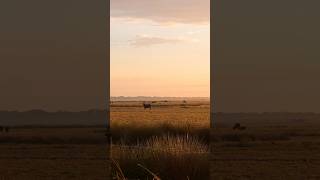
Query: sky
pixel 160 48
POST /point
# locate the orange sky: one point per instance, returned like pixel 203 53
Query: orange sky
pixel 160 48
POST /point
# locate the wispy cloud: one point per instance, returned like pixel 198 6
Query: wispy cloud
pixel 163 11
pixel 147 40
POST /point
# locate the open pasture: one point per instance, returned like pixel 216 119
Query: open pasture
pixel 163 139
pixel 54 153
pixel 273 146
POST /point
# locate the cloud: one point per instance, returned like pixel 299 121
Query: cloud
pixel 147 40
pixel 163 11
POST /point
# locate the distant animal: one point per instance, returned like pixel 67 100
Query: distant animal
pixel 237 126
pixel 4 129
pixel 146 106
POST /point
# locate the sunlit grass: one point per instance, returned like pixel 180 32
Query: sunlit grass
pixel 169 141
pixel 168 156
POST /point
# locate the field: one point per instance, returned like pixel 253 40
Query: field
pixel 132 121
pixel 161 141
pixel 273 146
pixel 31 153
pixel 171 137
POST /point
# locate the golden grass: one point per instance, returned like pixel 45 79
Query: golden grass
pixel 168 156
pixel 161 142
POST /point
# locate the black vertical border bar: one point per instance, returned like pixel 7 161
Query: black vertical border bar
pixel 107 87
pixel 108 66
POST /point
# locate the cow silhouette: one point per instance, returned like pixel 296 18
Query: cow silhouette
pixel 146 106
pixel 237 126
pixel 4 129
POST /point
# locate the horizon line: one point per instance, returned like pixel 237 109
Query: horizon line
pixel 167 96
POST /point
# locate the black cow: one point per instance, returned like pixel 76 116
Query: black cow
pixel 147 106
pixel 237 126
pixel 4 129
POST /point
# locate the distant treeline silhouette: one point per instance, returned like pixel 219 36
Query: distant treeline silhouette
pixel 35 117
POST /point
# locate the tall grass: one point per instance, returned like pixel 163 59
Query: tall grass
pixel 132 132
pixel 170 142
pixel 168 156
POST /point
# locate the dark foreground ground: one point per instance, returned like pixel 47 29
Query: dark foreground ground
pixel 273 146
pixel 53 153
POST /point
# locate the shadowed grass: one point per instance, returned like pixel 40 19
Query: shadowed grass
pixel 168 156
pixel 133 132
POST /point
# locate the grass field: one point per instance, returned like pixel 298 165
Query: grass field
pixel 273 146
pixel 171 137
pixel 171 140
pixel 30 153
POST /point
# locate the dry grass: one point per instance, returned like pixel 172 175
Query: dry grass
pixel 169 157
pixel 274 146
pixel 161 142
pixel 54 153
pixel 148 143
pixel 132 123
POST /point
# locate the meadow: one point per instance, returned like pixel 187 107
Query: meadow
pixel 170 141
pixel 47 153
pixel 271 146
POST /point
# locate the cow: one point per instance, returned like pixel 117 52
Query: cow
pixel 237 126
pixel 4 129
pixel 147 106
